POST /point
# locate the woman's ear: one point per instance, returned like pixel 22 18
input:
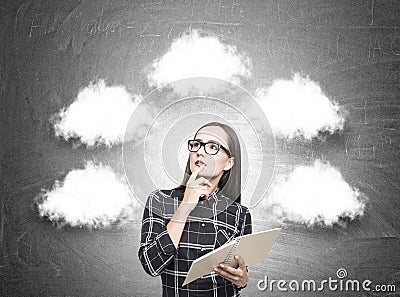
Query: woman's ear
pixel 229 163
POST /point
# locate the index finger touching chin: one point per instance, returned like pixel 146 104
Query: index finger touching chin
pixel 194 174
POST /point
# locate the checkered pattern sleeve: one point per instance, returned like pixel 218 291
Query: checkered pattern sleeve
pixel 246 229
pixel 156 247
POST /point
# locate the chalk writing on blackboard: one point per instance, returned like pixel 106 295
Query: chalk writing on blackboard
pixel 372 12
pixel 34 23
pixel 97 27
pixel 307 31
pixel 43 23
pixel 386 45
pixel 295 11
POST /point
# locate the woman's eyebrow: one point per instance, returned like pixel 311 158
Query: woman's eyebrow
pixel 213 141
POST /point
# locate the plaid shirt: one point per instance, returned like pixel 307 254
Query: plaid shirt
pixel 212 223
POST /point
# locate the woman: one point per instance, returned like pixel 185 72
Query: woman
pixel 200 215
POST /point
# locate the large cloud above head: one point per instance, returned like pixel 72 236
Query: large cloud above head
pixel 315 194
pixel 299 107
pixel 90 197
pixel 99 115
pixel 193 55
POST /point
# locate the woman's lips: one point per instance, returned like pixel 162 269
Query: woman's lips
pixel 199 163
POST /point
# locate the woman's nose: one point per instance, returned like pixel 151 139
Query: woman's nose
pixel 202 148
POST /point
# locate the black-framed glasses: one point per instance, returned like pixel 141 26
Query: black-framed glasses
pixel 211 148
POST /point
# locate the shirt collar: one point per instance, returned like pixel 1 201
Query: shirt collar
pixel 210 200
pixel 212 197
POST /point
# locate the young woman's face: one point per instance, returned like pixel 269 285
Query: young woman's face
pixel 215 164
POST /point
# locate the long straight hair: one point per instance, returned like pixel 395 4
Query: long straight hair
pixel 230 182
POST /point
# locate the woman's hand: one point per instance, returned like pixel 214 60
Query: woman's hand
pixel 196 188
pixel 238 276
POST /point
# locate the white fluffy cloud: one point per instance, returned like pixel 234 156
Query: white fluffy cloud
pixel 91 197
pixel 193 55
pixel 299 107
pixel 99 114
pixel 315 194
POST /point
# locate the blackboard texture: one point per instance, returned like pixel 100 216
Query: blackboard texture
pixel 49 50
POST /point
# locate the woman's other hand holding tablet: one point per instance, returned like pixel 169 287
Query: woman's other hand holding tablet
pixel 238 276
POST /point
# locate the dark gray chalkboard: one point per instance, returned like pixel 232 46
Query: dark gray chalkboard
pixel 51 49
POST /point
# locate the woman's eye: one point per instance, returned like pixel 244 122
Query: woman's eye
pixel 214 147
pixel 195 145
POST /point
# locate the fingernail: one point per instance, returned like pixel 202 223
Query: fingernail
pixel 222 265
pixel 236 257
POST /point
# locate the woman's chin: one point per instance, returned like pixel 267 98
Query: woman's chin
pixel 206 175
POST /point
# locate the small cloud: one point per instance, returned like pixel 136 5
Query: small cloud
pixel 299 107
pixel 89 197
pixel 315 194
pixel 99 114
pixel 193 55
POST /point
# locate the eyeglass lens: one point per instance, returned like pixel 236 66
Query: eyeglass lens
pixel 210 148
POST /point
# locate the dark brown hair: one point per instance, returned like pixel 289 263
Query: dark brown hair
pixel 230 183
